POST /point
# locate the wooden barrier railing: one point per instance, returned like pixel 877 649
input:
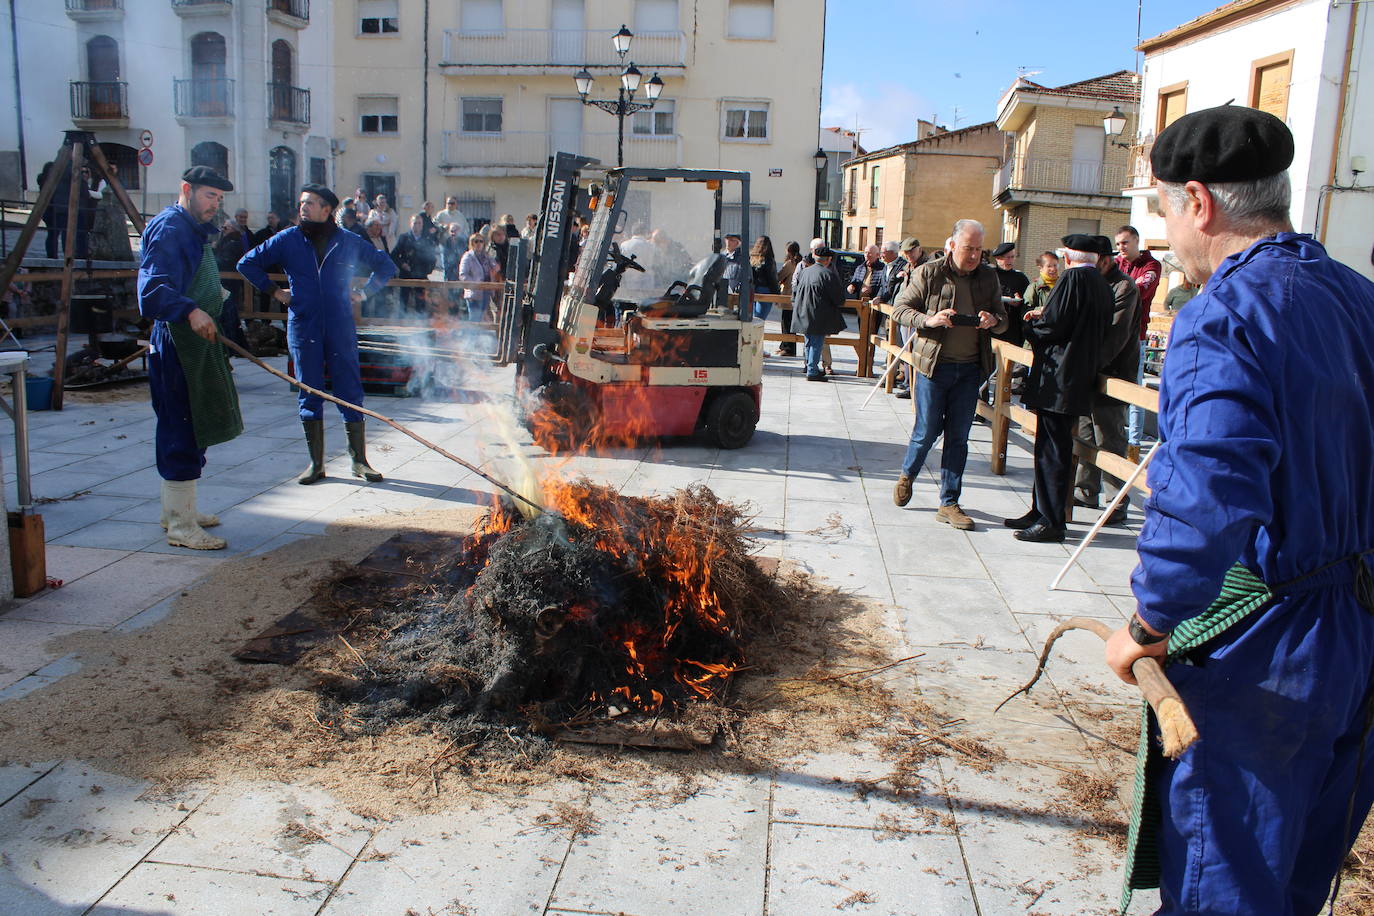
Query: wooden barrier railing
pixel 861 341
pixel 1001 413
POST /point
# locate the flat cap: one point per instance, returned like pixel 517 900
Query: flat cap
pixel 910 243
pixel 1004 248
pixel 1226 143
pixel 322 193
pixel 1097 244
pixel 203 174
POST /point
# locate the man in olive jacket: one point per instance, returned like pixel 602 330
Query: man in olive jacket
pixel 954 305
pixel 1067 341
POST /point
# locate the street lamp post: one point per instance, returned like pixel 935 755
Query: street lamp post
pixel 623 104
pixel 822 161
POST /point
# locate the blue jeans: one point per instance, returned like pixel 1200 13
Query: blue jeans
pixel 1135 422
pixel 945 404
pixel 761 309
pixel 812 351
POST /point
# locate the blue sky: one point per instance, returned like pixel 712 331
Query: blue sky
pixel 889 62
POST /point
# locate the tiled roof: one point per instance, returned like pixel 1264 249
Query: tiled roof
pixel 915 145
pixel 1120 86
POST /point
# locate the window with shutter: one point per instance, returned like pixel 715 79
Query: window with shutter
pixel 379 17
pixel 750 19
pixel 378 115
pixel 1270 78
pixel 482 116
pixel 1173 104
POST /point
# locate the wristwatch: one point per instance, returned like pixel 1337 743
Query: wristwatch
pixel 1142 636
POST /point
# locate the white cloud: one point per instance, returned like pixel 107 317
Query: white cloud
pixel 886 111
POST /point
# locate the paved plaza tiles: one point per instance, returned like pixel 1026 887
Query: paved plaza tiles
pixel 816 835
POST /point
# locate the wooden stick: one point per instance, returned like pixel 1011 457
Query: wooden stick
pixel 116 186
pixel 1102 519
pixel 1175 725
pixel 64 298
pixel 141 351
pixel 892 363
pixel 45 196
pixel 387 420
pixel 866 671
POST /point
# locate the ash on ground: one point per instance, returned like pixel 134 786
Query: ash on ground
pixel 602 605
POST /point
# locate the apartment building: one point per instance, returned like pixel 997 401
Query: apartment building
pixel 239 85
pixel 922 187
pixel 1064 172
pixel 469 98
pixel 1297 59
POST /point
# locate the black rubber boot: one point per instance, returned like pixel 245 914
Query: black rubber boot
pixel 357 450
pixel 314 441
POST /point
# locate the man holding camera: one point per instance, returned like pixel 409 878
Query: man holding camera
pixel 954 305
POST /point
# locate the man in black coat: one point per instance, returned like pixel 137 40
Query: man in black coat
pixel 817 303
pixel 1067 341
pixel 1120 358
pixel 416 257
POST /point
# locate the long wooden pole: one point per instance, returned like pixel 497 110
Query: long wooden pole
pixel 387 420
pixel 1102 519
pixel 64 299
pixel 116 186
pixel 45 196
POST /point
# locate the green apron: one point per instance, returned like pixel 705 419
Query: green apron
pixel 214 400
pixel 1242 593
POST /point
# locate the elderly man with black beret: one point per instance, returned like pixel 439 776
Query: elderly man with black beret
pixel 1254 585
pixel 192 392
pixel 1066 337
pixel 319 259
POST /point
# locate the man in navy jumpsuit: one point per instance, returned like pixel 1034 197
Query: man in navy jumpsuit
pixel 173 251
pixel 1263 485
pixel 320 260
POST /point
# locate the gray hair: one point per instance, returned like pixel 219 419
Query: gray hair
pixel 1075 258
pixel 1259 204
pixel 817 244
pixel 374 221
pixel 892 245
pixel 966 225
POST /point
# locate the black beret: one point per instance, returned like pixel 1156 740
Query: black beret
pixel 321 192
pixel 1227 143
pixel 1096 244
pixel 824 253
pixel 203 174
pixel 1004 248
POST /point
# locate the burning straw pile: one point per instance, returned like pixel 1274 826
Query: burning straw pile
pixel 606 604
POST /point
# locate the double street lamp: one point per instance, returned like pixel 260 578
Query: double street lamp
pixel 623 104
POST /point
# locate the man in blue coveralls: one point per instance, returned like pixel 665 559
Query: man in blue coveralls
pixel 319 260
pixel 1255 583
pixel 188 372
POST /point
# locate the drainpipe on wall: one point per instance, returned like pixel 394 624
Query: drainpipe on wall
pixel 1324 211
pixel 424 117
pixel 18 98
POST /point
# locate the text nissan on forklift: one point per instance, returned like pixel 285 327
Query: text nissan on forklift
pixel 640 339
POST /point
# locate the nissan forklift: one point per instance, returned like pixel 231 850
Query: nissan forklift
pixel 633 333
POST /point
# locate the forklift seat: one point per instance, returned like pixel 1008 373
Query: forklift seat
pixel 694 297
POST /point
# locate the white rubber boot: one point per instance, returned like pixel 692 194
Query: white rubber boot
pixel 179 510
pixel 204 521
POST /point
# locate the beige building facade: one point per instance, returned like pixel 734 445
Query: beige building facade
pixel 497 97
pixel 921 188
pixel 1063 173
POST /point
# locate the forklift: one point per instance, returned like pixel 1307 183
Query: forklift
pixel 632 334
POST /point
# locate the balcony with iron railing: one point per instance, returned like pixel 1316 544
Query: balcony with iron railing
pixel 288 105
pixel 531 149
pixel 203 98
pixel 1142 176
pixel 1022 175
pixel 95 10
pixel 293 14
pixel 851 202
pixel 557 49
pixel 100 104
pixel 201 7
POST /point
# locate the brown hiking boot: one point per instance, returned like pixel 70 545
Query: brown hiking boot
pixel 901 494
pixel 954 517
